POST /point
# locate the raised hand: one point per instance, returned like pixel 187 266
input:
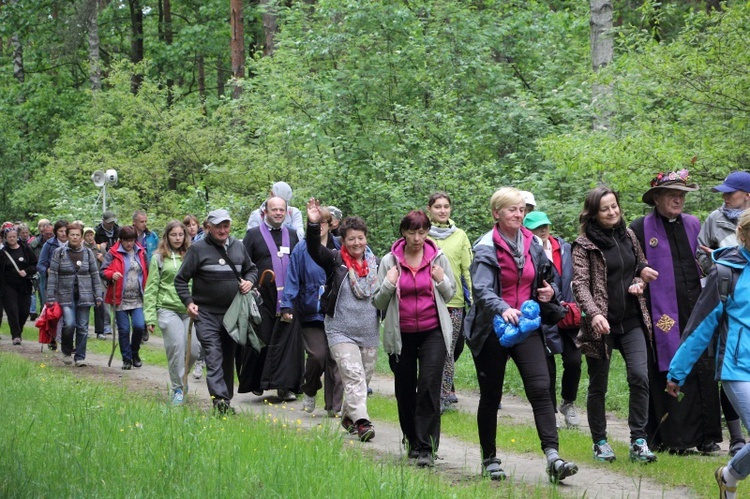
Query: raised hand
pixel 313 211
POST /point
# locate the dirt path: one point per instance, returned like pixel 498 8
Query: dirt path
pixel 458 459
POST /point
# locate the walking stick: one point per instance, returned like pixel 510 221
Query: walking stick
pixel 188 348
pixel 113 323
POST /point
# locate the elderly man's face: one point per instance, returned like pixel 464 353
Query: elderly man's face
pixel 139 222
pixel 670 203
pixel 220 232
pixel 47 232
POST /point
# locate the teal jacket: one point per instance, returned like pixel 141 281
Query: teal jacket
pixel 386 298
pixel 707 324
pixel 160 291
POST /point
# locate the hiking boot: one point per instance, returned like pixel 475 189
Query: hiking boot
pixel 178 397
pixel 425 459
pixel 81 363
pixel 603 451
pixel 559 470
pixel 223 407
pixel 413 454
pixel 568 410
pixel 16 341
pixel 333 414
pixel 365 430
pixel 137 361
pixel 308 404
pixel 285 395
pixel 725 492
pixel 67 359
pixel 452 398
pixel 735 446
pixel 349 425
pixel 639 451
pixel 198 371
pixel 127 364
pixel 492 470
pixel 52 345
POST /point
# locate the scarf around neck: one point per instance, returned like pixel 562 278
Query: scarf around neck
pixel 733 214
pixel 362 275
pixel 515 246
pixel 604 238
pixel 443 231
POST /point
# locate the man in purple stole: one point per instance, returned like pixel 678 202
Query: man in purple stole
pixel 275 366
pixel 669 239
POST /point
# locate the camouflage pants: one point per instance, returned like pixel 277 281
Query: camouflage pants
pixel 356 366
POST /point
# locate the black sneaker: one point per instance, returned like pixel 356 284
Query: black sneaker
pixel 137 361
pixel 559 470
pixel 145 336
pixel 127 364
pixel 223 407
pixel 425 459
pixel 52 345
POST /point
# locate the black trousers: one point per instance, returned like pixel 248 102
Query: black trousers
pixel 571 377
pixel 530 359
pixel 16 303
pixel 219 350
pixel 418 375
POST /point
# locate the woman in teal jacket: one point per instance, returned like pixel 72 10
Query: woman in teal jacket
pixel 162 306
pixel 726 318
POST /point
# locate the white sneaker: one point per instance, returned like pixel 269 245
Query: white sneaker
pixel 67 359
pixel 308 404
pixel 198 370
pixel 571 415
pixel 81 363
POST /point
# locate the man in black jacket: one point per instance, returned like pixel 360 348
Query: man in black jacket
pixel 219 267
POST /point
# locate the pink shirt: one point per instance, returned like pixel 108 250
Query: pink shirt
pixel 416 304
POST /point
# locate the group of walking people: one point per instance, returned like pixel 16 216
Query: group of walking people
pixel 650 290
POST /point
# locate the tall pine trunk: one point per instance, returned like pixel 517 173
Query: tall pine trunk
pixel 237 44
pixel 92 28
pixel 136 42
pixel 602 53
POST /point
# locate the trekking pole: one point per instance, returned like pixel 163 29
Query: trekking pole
pixel 114 336
pixel 188 347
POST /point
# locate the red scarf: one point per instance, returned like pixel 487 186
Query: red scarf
pixel 360 268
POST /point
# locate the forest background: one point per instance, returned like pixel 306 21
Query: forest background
pixel 368 105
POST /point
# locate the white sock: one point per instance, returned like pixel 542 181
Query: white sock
pixel 729 479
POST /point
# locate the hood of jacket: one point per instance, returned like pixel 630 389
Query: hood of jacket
pixel 431 250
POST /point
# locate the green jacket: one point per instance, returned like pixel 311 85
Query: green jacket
pixel 458 250
pixel 386 298
pixel 160 292
pixel 240 317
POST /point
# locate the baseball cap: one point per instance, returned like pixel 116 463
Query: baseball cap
pixel 735 181
pixel 217 216
pixel 108 217
pixel 535 219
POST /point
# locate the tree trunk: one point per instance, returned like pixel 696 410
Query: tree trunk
pixel 602 53
pixel 714 5
pixel 270 26
pixel 168 38
pixel 92 27
pixel 136 42
pixel 237 44
pixel 201 63
pixel 220 78
pixel 18 71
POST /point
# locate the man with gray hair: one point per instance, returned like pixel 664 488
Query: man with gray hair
pixel 219 267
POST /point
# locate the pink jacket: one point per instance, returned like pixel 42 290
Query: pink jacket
pixel 417 308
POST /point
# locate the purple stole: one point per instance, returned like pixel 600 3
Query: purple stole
pixel 280 260
pixel 663 295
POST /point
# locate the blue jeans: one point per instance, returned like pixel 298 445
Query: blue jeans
pixel 75 323
pixel 739 395
pixel 129 347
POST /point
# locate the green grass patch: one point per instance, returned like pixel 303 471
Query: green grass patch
pixel 68 436
pixel 694 471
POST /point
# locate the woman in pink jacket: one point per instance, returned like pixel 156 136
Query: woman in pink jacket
pixel 416 283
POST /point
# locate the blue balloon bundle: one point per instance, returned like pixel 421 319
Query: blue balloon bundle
pixel 511 334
